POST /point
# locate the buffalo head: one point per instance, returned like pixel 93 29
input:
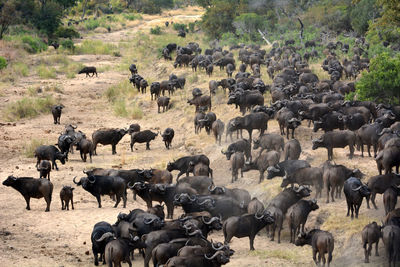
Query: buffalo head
pixel 9 181
pixel 363 190
pixel 274 171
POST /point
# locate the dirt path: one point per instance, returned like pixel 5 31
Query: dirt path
pixel 62 238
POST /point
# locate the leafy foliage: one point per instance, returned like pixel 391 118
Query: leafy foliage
pixel 382 83
pixel 67 32
pixel 33 44
pixel 3 62
pixel 156 30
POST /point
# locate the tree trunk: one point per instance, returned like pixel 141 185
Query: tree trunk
pixel 84 9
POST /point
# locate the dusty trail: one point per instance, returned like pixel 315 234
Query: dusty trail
pixel 62 238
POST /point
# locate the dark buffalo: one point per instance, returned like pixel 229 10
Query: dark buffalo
pixel 252 121
pixel 355 191
pixel 322 242
pixel 306 176
pixel 167 136
pixel 182 164
pixel 262 163
pixel 49 153
pixel 247 225
pixel 370 235
pixel 98 247
pixel 44 169
pixel 56 111
pixel 390 198
pixel 67 195
pixel 298 215
pixel 88 70
pixel 104 185
pixel 31 187
pixel 143 137
pixel 391 240
pixel 286 168
pixel 242 145
pixel 379 183
pixel 108 137
pixel 292 150
pixel 335 139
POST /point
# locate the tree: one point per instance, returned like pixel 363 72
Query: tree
pixel 382 82
pixel 48 16
pixel 8 15
pixel 218 19
pixel 362 13
pixel 247 25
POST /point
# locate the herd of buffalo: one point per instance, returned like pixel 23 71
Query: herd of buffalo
pixel 298 96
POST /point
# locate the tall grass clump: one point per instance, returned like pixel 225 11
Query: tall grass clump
pixel 28 108
pixel 95 47
pixel 121 90
pixel 131 111
pixel 30 147
pixel 156 30
pixel 45 72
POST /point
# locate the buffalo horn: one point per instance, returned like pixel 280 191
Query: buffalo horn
pixel 358 188
pixel 104 236
pixel 257 217
pixel 213 256
pixel 74 180
pixel 193 198
pixel 146 221
pixel 90 181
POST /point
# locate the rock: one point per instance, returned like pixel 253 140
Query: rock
pixel 87 252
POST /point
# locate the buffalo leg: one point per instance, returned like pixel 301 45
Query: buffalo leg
pixel 314 256
pixel 147 146
pixel 27 199
pixel 373 200
pixel 351 152
pixel 332 194
pixel 368 197
pixel 348 208
pixel 376 248
pixel 124 198
pixel 375 149
pixel 367 252
pixel 251 242
pixel 357 208
pixel 117 201
pixel 114 149
pixel 90 156
pixel 369 148
pixel 62 205
pixel 72 202
pixel 98 201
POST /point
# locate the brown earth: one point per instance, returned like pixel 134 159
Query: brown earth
pixel 62 238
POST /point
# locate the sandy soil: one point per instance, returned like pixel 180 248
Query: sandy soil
pixel 62 238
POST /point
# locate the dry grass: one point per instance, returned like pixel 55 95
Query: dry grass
pixel 28 108
pixel 29 147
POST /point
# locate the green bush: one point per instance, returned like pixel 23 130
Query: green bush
pixel 33 44
pixel 28 108
pixel 91 24
pixel 63 32
pixel 156 30
pixel 3 62
pixel 68 44
pixel 192 26
pixel 382 82
pixel 180 26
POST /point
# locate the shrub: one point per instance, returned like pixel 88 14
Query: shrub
pixel 91 24
pixel 28 108
pixel 66 32
pixel 156 30
pixel 33 44
pixel 3 62
pixel 180 26
pixel 382 83
pixel 68 44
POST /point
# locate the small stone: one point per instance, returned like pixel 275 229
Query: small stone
pixel 84 243
pixel 17 167
pixel 87 252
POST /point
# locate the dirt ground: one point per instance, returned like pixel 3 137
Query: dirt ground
pixel 62 238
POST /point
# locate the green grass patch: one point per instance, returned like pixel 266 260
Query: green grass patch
pixel 95 47
pixel 20 69
pixel 30 147
pixel 28 107
pixel 121 90
pixel 46 72
pixel 131 111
